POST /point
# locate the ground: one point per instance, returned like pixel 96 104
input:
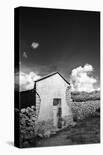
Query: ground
pixel 85 132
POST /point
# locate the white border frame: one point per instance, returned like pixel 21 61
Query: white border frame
pixel 7 79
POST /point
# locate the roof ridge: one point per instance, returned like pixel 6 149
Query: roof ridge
pixel 51 74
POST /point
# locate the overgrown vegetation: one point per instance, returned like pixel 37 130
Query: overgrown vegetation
pixel 27 125
pixel 85 104
pixel 82 110
pixel 85 96
pixel 30 129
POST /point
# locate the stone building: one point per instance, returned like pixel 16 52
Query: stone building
pixel 54 102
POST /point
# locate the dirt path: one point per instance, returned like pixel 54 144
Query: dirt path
pixel 85 132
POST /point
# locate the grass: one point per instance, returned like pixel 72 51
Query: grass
pixel 85 132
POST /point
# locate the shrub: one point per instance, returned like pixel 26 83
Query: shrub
pixel 85 96
pixel 82 110
pixel 44 128
pixel 30 128
pixel 27 124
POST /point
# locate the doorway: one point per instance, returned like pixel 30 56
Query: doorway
pixel 57 113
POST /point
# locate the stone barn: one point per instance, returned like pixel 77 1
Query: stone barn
pixel 54 103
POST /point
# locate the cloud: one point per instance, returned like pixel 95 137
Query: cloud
pixel 25 81
pixel 25 55
pixel 35 45
pixel 81 79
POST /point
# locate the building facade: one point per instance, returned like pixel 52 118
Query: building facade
pixel 53 105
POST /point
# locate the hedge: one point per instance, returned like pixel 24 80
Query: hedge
pixel 81 110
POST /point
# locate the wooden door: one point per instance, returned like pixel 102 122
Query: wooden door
pixel 57 112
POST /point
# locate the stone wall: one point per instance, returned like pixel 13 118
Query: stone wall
pixel 69 118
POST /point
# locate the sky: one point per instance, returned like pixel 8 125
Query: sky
pixel 58 40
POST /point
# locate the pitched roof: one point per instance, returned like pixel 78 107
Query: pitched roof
pixel 49 75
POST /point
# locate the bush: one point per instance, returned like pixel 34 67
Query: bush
pixel 30 128
pixel 44 128
pixel 27 124
pixel 85 96
pixel 82 110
